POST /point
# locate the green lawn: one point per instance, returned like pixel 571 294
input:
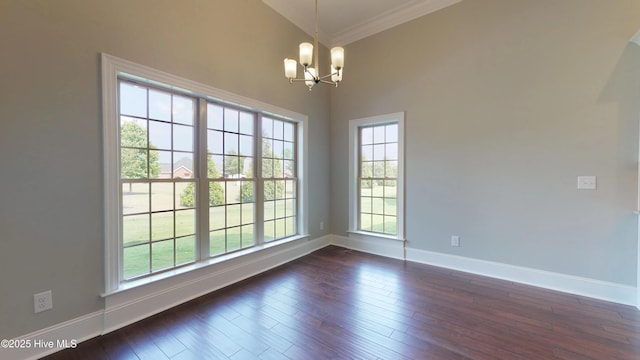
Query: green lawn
pixel 149 238
pixel 378 207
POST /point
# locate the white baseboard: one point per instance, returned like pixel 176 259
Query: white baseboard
pixel 127 307
pixel 55 338
pixel 618 293
pixel 371 244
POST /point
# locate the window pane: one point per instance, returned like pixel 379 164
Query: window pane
pixel 159 105
pixel 390 189
pixel 377 206
pixel 391 169
pixel 269 230
pixel 231 166
pixel 135 229
pixel 391 133
pixel 185 249
pixel 247 214
pixel 233 238
pixel 217 242
pixel 135 198
pixel 377 223
pixel 183 165
pixel 230 144
pixel 159 135
pixel 133 132
pixel 288 131
pixel 365 222
pixel 378 152
pixel 390 225
pixel 280 208
pixel 133 100
pixel 216 193
pixel 133 163
pixel 182 138
pixel 214 117
pixel 162 225
pixel 278 130
pixel 135 261
pixel 247 236
pixel 247 194
pixel 378 169
pixel 269 210
pixel 390 206
pixel 215 166
pixel 290 226
pixel 181 188
pixel 187 195
pixel 247 167
pixel 267 127
pixel 246 123
pixel 391 151
pixel 246 145
pixel 214 141
pixel 367 136
pixel 278 147
pixel 365 204
pixel 217 218
pixel 378 134
pixel 288 150
pixel 162 255
pixel 230 120
pixel 161 167
pixel 161 196
pixel 185 222
pixel 280 228
pixel 233 215
pixel 183 108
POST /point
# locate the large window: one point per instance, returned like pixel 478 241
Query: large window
pixel 182 184
pixel 376 181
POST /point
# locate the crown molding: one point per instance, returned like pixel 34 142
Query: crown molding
pixel 388 20
pixel 294 12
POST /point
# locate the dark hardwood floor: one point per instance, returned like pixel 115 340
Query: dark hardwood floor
pixel 342 304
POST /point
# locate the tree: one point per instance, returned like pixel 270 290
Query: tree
pixel 133 160
pixel 216 192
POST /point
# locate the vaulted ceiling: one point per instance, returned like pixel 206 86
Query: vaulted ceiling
pixel 341 22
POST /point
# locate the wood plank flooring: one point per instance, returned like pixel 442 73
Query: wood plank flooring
pixel 343 304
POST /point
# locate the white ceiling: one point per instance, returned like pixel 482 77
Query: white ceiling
pixel 344 21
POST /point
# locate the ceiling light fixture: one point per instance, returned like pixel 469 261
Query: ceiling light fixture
pixel 308 57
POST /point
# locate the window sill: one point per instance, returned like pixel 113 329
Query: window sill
pixel 376 235
pixel 129 285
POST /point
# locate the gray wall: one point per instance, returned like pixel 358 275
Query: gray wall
pixel 507 102
pixel 51 206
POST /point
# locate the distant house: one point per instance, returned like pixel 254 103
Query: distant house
pixel 182 168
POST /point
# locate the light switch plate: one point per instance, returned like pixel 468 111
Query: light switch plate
pixel 587 182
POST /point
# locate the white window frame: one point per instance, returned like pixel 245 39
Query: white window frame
pixel 114 68
pixel 354 154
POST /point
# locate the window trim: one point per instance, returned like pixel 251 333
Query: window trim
pixel 114 68
pixel 354 126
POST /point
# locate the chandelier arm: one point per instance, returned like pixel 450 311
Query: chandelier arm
pixel 330 82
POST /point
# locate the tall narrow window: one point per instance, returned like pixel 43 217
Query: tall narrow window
pixel 156 170
pixel 279 178
pixel 376 189
pixel 378 169
pixel 230 169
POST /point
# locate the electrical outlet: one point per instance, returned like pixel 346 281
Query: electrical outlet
pixel 42 301
pixel 455 240
pixel 321 225
pixel 587 182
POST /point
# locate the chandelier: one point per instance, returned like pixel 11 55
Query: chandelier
pixel 308 57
